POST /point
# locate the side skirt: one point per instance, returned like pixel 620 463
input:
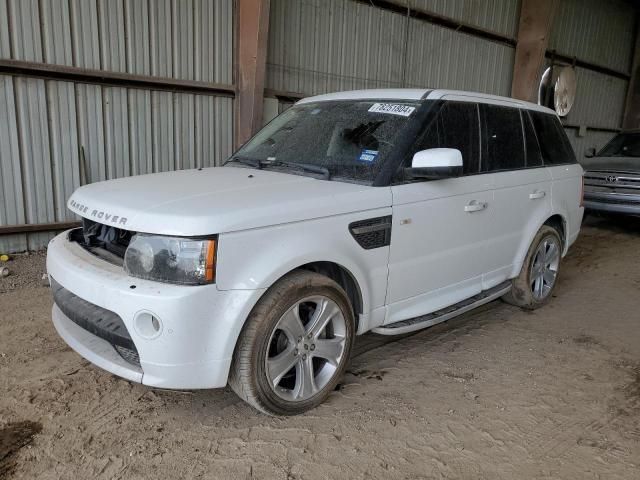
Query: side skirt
pixel 447 313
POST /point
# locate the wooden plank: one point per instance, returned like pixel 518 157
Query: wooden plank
pixel 533 37
pixel 253 32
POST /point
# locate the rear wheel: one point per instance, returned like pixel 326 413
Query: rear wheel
pixel 295 345
pixel 539 274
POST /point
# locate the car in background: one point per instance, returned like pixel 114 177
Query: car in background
pixel 612 176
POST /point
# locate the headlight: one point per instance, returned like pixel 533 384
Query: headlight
pixel 171 259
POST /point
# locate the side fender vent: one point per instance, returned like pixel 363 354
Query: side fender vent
pixel 372 233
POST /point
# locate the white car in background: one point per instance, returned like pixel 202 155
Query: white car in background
pixel 376 210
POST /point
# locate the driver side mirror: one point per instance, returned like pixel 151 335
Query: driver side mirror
pixel 435 163
pixel 590 152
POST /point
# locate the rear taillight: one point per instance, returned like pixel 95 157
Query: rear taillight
pixel 582 192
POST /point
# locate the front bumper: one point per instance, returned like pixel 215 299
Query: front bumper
pixel 612 202
pixel 198 325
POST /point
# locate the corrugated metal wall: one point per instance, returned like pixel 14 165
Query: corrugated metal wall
pixel 319 46
pixel 500 16
pixel 601 32
pixel 443 58
pixel 52 124
pixel 597 31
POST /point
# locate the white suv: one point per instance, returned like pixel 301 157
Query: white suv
pixel 377 210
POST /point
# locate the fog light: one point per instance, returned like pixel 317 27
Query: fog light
pixel 147 325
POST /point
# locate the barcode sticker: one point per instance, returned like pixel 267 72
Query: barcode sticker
pixel 392 109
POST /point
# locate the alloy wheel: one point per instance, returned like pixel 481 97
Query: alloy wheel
pixel 544 269
pixel 306 348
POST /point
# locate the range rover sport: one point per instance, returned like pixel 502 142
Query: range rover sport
pixel 375 210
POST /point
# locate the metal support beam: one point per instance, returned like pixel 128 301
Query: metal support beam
pixel 632 106
pixel 37 227
pixel 533 37
pixel 253 33
pixel 116 79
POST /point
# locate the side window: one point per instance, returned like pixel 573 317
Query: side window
pixel 454 126
pixel 503 146
pixel 533 155
pixel 554 144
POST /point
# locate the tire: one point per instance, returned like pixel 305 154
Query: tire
pixel 277 367
pixel 526 291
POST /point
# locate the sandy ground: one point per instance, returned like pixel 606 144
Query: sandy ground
pixel 498 394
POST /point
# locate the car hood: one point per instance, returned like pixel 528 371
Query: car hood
pixel 219 200
pixel 612 164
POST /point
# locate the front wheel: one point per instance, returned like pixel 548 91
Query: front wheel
pixel 295 345
pixel 538 277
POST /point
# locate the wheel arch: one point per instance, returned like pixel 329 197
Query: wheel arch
pixel 343 277
pixel 557 221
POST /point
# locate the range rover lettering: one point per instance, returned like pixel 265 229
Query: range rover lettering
pixel 376 210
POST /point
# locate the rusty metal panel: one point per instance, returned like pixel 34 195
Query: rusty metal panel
pixel 112 44
pixel 442 58
pixel 597 31
pixel 140 127
pixel 593 139
pixel 11 196
pixel 85 33
pixel 500 16
pixel 600 100
pixel 116 132
pixel 63 134
pixel 56 32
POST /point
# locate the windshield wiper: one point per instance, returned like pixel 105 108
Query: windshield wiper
pixel 250 162
pixel 324 171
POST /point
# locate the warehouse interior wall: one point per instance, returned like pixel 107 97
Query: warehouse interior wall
pixel 57 135
pixel 100 89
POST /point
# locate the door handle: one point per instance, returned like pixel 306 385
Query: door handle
pixel 536 195
pixel 474 206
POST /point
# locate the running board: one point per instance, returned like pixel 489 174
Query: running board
pixel 447 313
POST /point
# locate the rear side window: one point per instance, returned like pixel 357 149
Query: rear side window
pixel 455 126
pixel 554 144
pixel 532 149
pixel 503 146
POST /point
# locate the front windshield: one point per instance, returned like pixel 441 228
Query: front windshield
pixel 622 145
pixel 350 139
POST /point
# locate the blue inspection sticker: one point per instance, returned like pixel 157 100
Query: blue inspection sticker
pixel 368 156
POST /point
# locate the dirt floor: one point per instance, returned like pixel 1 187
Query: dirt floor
pixel 499 393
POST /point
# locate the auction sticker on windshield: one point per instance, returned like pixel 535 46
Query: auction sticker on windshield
pixel 392 108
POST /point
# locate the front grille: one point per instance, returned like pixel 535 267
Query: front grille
pixel 104 241
pixel 612 179
pixel 99 321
